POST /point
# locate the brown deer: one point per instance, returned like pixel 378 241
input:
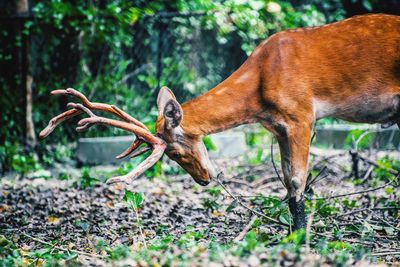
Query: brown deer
pixel 348 70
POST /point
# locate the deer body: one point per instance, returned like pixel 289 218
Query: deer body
pixel 348 70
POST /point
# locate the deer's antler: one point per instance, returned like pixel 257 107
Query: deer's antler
pixel 130 124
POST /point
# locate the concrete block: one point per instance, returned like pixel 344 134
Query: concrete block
pixel 334 136
pixel 102 150
pixel 229 144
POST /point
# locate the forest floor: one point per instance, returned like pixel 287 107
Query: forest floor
pixel 179 223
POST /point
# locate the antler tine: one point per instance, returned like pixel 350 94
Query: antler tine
pixel 130 124
pixel 140 132
pixel 157 143
pixel 135 144
pixel 91 105
pixel 99 106
pixel 81 107
pixel 140 152
pixel 142 167
pixel 131 119
pixel 57 120
pixel 84 109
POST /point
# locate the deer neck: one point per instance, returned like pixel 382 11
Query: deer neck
pixel 233 102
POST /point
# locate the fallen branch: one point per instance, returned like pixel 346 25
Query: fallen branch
pixel 240 182
pixel 368 173
pixel 328 235
pixel 326 158
pixel 245 230
pixel 365 209
pixel 237 199
pixel 314 180
pixel 61 248
pixel 390 170
pixel 358 192
pixel 386 222
pixel 387 253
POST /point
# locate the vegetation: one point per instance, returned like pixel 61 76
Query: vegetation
pixel 121 52
pixel 55 213
pixel 347 228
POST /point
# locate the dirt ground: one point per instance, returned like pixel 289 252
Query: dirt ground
pixel 51 209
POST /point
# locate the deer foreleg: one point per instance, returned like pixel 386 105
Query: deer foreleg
pixel 295 146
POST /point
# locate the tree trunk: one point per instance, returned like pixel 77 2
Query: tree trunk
pixel 22 9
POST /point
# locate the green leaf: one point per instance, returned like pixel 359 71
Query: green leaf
pixel 284 218
pixel 389 190
pixel 232 206
pixel 135 199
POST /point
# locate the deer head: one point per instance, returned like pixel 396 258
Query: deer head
pixel 186 149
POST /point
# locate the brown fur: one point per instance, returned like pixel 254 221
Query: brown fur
pixel 348 70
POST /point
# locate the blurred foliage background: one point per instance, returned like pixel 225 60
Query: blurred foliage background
pixel 121 52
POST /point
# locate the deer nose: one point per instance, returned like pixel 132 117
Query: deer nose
pixel 202 182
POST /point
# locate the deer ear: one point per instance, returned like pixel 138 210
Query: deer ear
pixel 169 108
pixel 164 96
pixel 172 114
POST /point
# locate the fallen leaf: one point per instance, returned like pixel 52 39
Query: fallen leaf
pixel 4 207
pixel 53 220
pixel 217 214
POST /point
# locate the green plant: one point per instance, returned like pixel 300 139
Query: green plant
pixel 10 255
pixel 134 201
pixel 14 158
pixel 24 163
pixel 385 165
pixel 86 179
pixel 274 207
pixel 211 203
pixel 57 153
pixel 360 138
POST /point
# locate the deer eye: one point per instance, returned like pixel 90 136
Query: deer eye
pixel 176 155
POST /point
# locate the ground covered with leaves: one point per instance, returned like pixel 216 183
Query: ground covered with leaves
pixel 71 217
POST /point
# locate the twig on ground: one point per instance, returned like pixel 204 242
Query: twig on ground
pixel 61 248
pixel 385 221
pixel 386 253
pixel 327 158
pixel 390 170
pixel 242 234
pixel 241 182
pixel 328 235
pixel 358 192
pixel 365 209
pixel 314 180
pixel 237 199
pixel 265 180
pixel 368 173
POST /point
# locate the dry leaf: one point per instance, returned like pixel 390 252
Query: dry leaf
pixel 217 213
pixel 53 220
pixel 4 207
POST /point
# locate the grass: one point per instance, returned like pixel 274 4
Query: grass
pixel 361 227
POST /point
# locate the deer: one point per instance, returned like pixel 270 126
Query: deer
pixel 348 70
